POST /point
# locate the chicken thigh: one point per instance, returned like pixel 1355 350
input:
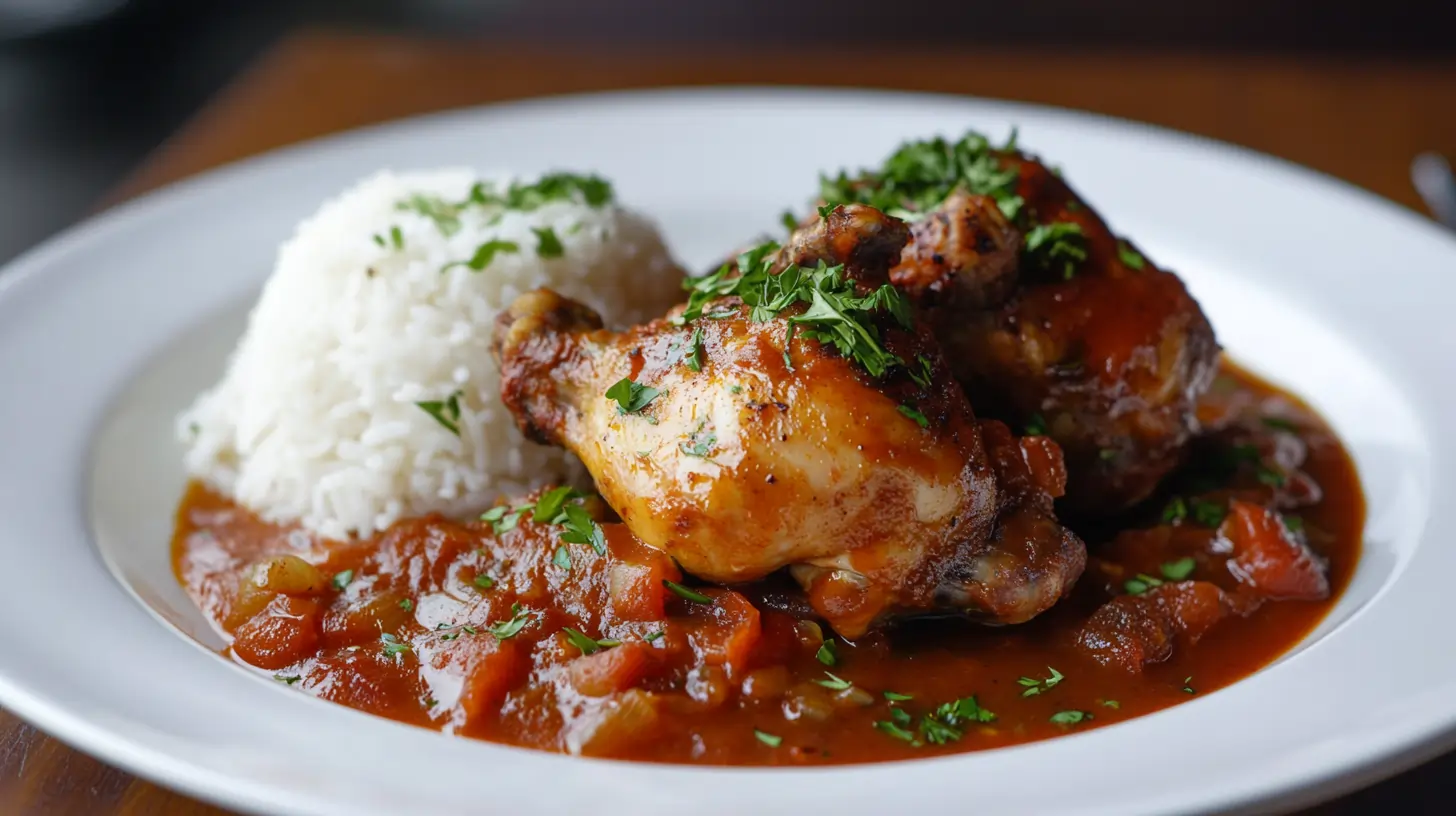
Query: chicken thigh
pixel 823 433
pixel 1051 321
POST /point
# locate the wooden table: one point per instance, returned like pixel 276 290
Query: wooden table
pixel 1362 121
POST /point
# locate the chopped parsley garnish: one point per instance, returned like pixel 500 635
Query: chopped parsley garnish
pixel 685 593
pixel 1070 717
pixel 445 214
pixel 548 507
pixel 911 412
pixel 1280 424
pixel 581 528
pixel 1293 524
pixel 593 191
pixel 484 254
pixel 694 355
pixel 828 653
pixel 396 237
pixel 504 519
pixel 1034 687
pixel 393 646
pixel 896 730
pixel 1056 248
pixel 483 581
pixel 1111 704
pixel 586 644
pixel 699 444
pixel 1180 569
pixel 824 210
pixel 446 411
pixel 288 679
pixel 562 558
pixel 1107 454
pixel 1035 425
pixel 1142 583
pixel 1188 685
pixel 1129 256
pixel 946 723
pixel 835 683
pixel 510 628
pixel 379 239
pixel 654 636
pixel 835 315
pixel 1207 513
pixel 342 579
pixel 630 396
pixel 1175 510
pixel 767 739
pixel 789 221
pixel 547 244
pixel 407 605
pixel 897 697
pixel 921 174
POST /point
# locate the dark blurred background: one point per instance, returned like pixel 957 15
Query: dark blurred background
pixel 88 87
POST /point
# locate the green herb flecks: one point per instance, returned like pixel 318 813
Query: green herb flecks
pixel 484 254
pixel 393 646
pixel 1207 513
pixel 700 443
pixel 653 637
pixel 1188 686
pixel 483 581
pixel 685 593
pixel 547 244
pixel 548 508
pixel 407 605
pixel 835 315
pixel 512 626
pixel 914 414
pixel 1035 425
pixel 835 683
pixel 897 697
pixel 1056 248
pixel 828 653
pixel 920 175
pixel 593 191
pixel 342 579
pixel 587 645
pixel 768 739
pixel 562 558
pixel 1070 717
pixel 288 679
pixel 504 519
pixel 1130 257
pixel 1140 584
pixel 446 411
pixel 581 528
pixel 1180 569
pixel 445 214
pixel 1175 510
pixel 631 397
pixel 1034 686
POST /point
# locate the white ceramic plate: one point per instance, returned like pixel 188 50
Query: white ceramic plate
pixel 106 331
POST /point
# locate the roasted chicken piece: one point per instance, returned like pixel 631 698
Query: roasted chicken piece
pixel 1052 322
pixel 819 432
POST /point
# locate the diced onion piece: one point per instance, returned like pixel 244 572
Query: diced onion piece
pixel 289 575
pixel 628 719
pixel 612 670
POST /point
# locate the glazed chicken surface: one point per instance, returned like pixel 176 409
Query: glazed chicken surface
pixel 1052 322
pixel 740 442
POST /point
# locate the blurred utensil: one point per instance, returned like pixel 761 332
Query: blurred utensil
pixel 1431 175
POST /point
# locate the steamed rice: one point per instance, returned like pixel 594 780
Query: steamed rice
pixel 317 419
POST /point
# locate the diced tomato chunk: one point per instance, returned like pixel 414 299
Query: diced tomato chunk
pixel 494 667
pixel 1135 631
pixel 727 631
pixel 611 670
pixel 284 632
pixel 634 579
pixel 1268 559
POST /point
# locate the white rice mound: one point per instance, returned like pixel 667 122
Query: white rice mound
pixel 316 419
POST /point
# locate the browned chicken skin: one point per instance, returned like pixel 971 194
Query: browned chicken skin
pixel 775 454
pixel 1097 346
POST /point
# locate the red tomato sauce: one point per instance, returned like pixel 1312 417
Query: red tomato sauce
pixel 498 629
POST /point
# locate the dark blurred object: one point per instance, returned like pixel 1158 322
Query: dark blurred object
pixel 24 18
